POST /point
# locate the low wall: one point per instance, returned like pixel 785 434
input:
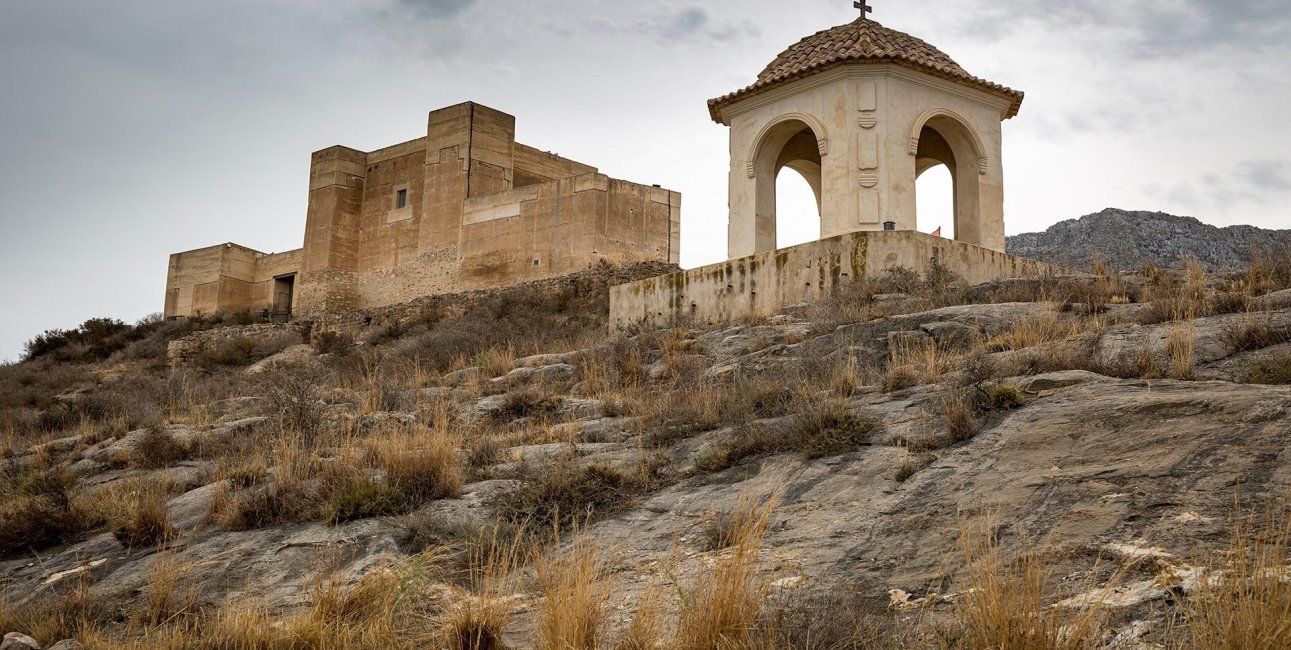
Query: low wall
pixel 762 284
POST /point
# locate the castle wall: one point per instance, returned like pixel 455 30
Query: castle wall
pixel 224 278
pixel 762 284
pixel 479 210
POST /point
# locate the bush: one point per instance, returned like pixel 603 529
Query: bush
pixel 529 402
pixel 998 397
pixel 147 524
pixel 829 429
pixel 564 493
pixel 157 449
pixel 360 497
pixel 37 512
pixel 1275 370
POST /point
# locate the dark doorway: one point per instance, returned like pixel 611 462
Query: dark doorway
pixel 284 289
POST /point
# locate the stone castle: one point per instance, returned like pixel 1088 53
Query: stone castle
pixel 860 110
pixel 465 207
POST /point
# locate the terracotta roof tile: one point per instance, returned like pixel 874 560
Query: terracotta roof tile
pixel 860 41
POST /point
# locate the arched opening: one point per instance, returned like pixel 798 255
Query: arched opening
pixel 948 199
pixel 795 145
pixel 935 201
pixel 797 207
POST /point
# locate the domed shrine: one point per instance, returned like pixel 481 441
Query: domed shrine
pixel 861 110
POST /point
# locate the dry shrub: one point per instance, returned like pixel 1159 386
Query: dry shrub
pixel 37 511
pixel 833 620
pixel 721 607
pixel 1254 332
pixel 157 449
pixel 359 496
pixel 1246 602
pixel 828 428
pixel 573 592
pixel 560 493
pixel 529 401
pixel 997 397
pixel 142 519
pixel 169 593
pixel 1275 370
pixel 295 399
pixel 421 464
pixel 1003 603
pixel 961 422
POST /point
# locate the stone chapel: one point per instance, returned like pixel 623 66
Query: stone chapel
pixel 861 111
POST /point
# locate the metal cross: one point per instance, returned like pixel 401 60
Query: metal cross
pixel 865 8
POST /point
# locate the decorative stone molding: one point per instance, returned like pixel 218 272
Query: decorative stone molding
pixel 749 169
pixel 818 128
pixel 914 146
pixel 868 121
pixel 983 164
pixel 869 180
pixel 823 146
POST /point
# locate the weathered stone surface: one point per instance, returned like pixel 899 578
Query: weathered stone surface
pixel 951 335
pixel 66 644
pixel 1062 379
pixel 380 419
pixel 555 372
pixel 16 641
pixel 1212 338
pixel 237 408
pixel 292 357
pixel 540 360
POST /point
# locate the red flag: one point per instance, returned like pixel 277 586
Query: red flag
pixel 936 233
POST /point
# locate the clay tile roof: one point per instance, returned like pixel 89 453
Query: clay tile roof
pixel 860 41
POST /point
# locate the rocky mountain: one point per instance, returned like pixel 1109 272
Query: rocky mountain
pixel 1127 240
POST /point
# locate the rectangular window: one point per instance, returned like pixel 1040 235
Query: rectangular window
pixel 401 199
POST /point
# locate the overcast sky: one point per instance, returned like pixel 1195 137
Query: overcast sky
pixel 132 129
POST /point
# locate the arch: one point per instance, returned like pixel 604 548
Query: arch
pixel 943 138
pixel 794 140
pixel 945 115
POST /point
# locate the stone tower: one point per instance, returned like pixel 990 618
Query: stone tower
pixel 861 111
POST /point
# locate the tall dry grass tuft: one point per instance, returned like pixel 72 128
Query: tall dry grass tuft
pixel 1245 604
pixel 571 610
pixel 645 631
pixel 1032 331
pixel 1182 348
pixel 478 618
pixel 422 464
pixel 720 610
pixel 1003 605
pixel 915 363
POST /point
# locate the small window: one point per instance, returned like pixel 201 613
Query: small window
pixel 401 199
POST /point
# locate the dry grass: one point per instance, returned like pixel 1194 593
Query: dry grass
pixel 570 611
pixel 1181 347
pixel 1004 603
pixel 721 606
pixel 422 464
pixel 915 363
pixel 476 620
pixel 1246 603
pixel 1034 330
pixel 961 421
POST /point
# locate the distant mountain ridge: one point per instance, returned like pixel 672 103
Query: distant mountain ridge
pixel 1127 240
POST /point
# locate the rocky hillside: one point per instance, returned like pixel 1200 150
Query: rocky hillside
pixel 1128 240
pixel 1020 465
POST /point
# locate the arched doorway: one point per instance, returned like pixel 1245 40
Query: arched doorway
pixel 794 144
pixel 945 139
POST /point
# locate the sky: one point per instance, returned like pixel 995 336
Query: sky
pixel 132 129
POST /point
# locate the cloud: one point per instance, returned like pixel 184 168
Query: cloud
pixel 1258 182
pixel 437 8
pixel 1145 28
